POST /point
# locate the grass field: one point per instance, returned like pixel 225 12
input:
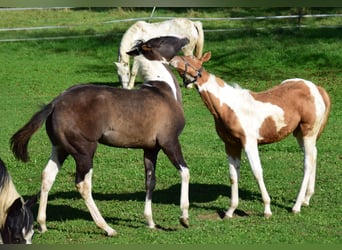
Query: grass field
pixel 34 72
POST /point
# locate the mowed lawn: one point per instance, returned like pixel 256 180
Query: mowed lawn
pixel 32 73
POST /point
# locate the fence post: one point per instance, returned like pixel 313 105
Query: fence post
pixel 300 17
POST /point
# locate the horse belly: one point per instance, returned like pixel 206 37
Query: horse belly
pixel 127 139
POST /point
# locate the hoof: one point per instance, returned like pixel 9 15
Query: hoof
pixel 267 215
pixel 227 215
pixel 306 203
pixel 111 233
pixel 42 229
pixel 295 211
pixel 184 222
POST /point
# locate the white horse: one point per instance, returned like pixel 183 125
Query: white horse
pixel 179 27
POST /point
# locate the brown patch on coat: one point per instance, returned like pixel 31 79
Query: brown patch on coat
pixel 295 98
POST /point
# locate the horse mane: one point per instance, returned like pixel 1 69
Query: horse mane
pixel 8 193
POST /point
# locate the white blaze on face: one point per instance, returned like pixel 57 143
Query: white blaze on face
pixel 28 235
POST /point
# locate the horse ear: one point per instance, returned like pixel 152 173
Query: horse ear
pixel 206 57
pixel 32 201
pixel 16 206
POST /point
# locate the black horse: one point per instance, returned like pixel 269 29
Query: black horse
pixel 150 118
pixel 16 219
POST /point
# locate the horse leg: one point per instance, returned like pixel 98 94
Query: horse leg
pixel 175 155
pixel 234 159
pixel 58 155
pixel 134 73
pixel 308 183
pixel 84 173
pixel 252 152
pixel 150 160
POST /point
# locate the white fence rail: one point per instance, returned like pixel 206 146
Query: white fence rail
pixel 298 17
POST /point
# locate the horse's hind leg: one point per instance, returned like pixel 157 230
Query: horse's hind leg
pixel 84 173
pixel 308 184
pixel 58 155
pixel 175 155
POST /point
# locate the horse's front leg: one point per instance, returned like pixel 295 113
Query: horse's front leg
pixel 184 199
pixel 150 160
pixel 234 159
pixel 175 155
pixel 252 152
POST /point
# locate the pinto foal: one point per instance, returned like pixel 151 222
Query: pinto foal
pixel 244 119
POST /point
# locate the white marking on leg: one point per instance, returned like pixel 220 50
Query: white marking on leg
pixel 310 153
pixel 252 152
pixel 148 213
pixel 48 178
pixel 184 199
pixel 311 186
pixel 234 174
pixel 84 187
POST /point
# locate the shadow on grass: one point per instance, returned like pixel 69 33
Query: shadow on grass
pixel 200 195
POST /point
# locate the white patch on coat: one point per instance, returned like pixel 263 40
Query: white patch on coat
pixel 155 71
pixel 250 112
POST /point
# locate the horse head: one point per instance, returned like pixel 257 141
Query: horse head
pixel 123 73
pixel 18 227
pixel 189 67
pixel 162 48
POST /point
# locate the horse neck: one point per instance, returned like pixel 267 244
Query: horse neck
pixel 211 88
pixel 8 194
pixel 158 71
pixel 128 41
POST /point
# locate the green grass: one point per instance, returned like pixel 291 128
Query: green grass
pixel 32 73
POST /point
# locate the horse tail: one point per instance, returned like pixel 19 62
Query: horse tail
pixel 327 102
pixel 200 39
pixel 20 139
